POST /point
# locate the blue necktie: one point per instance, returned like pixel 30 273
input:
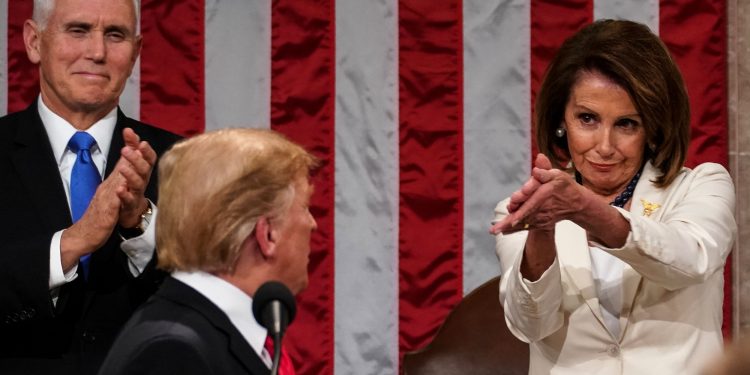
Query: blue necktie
pixel 83 182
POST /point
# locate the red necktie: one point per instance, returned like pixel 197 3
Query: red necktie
pixel 285 363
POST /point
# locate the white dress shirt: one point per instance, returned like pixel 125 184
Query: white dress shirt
pixel 236 304
pixel 607 272
pixel 140 249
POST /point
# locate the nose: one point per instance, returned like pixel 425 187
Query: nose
pixel 96 48
pixel 605 143
pixel 314 223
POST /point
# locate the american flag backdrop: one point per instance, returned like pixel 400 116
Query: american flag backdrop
pixel 421 113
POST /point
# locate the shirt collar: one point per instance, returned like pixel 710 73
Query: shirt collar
pixel 59 130
pixel 235 303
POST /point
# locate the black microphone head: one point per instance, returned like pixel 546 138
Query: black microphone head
pixel 267 293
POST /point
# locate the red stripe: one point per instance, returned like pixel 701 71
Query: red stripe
pixel 302 107
pixel 23 76
pixel 172 65
pixel 551 23
pixel 695 33
pixel 430 165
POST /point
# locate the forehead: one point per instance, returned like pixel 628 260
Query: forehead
pixel 596 87
pixel 594 79
pixel 304 186
pixel 105 12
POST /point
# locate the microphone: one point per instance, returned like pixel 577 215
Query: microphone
pixel 274 308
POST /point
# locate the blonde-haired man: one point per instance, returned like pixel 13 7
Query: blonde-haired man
pixel 233 215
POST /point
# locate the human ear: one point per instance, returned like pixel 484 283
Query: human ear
pixel 31 39
pixel 265 238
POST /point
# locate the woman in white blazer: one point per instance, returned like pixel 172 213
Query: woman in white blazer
pixel 613 252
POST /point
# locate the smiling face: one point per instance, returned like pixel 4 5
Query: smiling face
pixel 606 137
pixel 85 54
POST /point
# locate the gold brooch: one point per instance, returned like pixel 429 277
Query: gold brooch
pixel 649 208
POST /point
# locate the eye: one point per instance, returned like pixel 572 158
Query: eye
pixel 77 31
pixel 115 36
pixel 627 124
pixel 586 118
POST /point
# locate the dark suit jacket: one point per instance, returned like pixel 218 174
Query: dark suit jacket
pixel 73 336
pixel 179 331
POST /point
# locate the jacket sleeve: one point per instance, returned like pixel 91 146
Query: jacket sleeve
pixel 532 309
pixel 24 274
pixel 692 237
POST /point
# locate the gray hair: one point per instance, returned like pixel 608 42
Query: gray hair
pixel 43 9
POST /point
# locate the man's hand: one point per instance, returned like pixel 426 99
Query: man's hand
pixel 136 162
pixel 95 226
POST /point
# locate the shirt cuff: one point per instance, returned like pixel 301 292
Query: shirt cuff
pixel 140 249
pixel 544 285
pixel 57 277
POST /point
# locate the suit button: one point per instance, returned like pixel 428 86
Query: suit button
pixel 25 314
pixel 88 337
pixel 613 350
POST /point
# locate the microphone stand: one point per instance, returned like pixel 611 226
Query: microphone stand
pixel 277 315
pixel 276 353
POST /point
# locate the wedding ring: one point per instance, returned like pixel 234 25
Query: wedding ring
pixel 525 225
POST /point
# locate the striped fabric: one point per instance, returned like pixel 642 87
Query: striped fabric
pixel 421 113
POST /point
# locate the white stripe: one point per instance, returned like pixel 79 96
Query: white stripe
pixel 643 11
pixel 366 212
pixel 3 57
pixel 238 63
pixel 497 122
pixel 130 99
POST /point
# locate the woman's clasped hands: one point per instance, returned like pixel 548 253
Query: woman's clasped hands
pixel 550 195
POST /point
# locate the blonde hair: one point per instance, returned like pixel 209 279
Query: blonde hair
pixel 215 186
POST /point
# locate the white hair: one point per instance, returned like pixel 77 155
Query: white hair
pixel 43 9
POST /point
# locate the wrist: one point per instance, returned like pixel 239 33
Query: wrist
pixel 74 246
pixel 144 219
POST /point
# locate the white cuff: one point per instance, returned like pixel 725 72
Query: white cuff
pixel 57 277
pixel 140 249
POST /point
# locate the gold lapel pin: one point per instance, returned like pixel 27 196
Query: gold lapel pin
pixel 649 208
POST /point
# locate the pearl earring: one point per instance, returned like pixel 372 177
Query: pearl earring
pixel 560 132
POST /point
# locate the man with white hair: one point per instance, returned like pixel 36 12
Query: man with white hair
pixel 76 193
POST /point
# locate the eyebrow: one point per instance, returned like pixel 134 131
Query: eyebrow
pixel 587 109
pixel 80 24
pixel 119 28
pixel 312 189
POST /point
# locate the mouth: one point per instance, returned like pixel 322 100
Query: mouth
pixel 91 75
pixel 602 167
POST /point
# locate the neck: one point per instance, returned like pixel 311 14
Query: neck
pixel 81 119
pixel 624 194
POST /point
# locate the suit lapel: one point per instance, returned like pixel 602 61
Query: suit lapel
pixel 181 293
pixel 573 253
pixel 37 169
pixel 116 144
pixel 647 201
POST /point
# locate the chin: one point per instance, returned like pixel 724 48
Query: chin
pixel 302 285
pixel 95 103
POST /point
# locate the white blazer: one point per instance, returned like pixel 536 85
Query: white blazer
pixel 672 284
